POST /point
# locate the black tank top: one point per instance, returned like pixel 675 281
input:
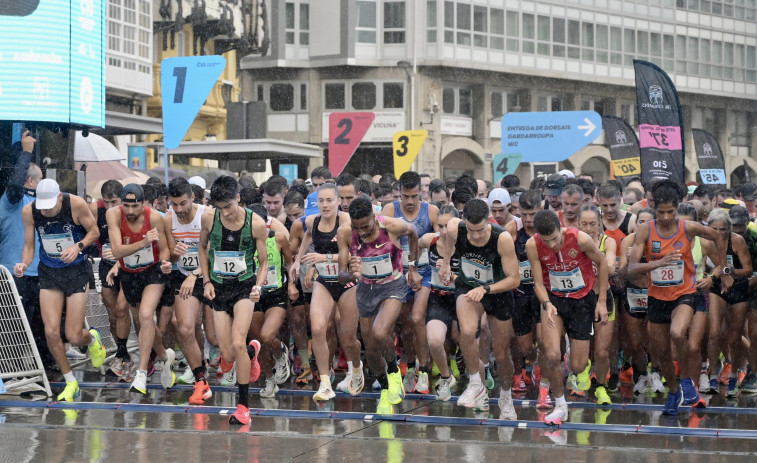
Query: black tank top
pixel 433 257
pixel 624 224
pixel 325 242
pixel 732 255
pixel 102 225
pixel 475 260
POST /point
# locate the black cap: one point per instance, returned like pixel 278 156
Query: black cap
pixel 555 185
pixel 748 190
pixel 133 189
pixel 739 215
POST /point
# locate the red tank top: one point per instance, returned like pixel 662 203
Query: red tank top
pixel 672 281
pixel 142 259
pixel 568 273
pixel 382 260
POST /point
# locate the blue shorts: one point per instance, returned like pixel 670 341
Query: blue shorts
pixel 426 283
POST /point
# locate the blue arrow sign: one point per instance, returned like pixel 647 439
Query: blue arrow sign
pixel 185 84
pixel 505 164
pixel 549 136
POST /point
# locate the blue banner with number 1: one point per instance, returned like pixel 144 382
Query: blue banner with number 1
pixel 185 84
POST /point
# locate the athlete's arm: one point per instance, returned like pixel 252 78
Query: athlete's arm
pixel 433 214
pixel 448 249
pixel 120 250
pixel 610 254
pixel 739 247
pixel 708 248
pixel 506 250
pixel 721 247
pixel 586 243
pixel 511 227
pixel 27 254
pixel 635 267
pixel 388 210
pixel 295 236
pixel 631 223
pixel 540 290
pixel 401 228
pixel 175 248
pixel 625 247
pixel 83 216
pixel 424 241
pixel 260 233
pixel 207 226
pixel 344 240
pixel 164 251
pixel 304 244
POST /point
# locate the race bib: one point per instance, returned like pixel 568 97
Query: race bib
pixel 229 264
pixel 482 274
pixel 328 270
pixel 729 260
pixel 526 275
pixel 54 245
pixel 422 257
pixel 107 247
pixel 190 260
pixel 670 275
pixel 378 267
pixel 436 282
pixel 142 258
pixel 272 280
pixel 637 300
pixel 566 282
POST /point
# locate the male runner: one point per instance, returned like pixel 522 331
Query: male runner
pixel 571 199
pixel 273 198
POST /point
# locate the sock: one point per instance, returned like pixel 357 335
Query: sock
pixel 144 372
pixel 560 401
pixel 445 377
pixel 199 373
pixel 486 365
pixel 244 395
pixel 121 351
pixel 544 382
pixel 349 365
pixel 356 370
pixel 305 357
pixel 391 367
pixel 505 394
pixel 713 376
pixel 475 378
pixel 69 376
pixel 426 370
pixel 92 339
pixel 383 381
pixel 326 379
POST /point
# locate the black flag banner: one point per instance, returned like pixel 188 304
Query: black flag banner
pixel 660 119
pixel 709 158
pixel 624 148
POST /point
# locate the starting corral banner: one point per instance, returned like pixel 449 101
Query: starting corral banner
pixel 710 158
pixel 624 148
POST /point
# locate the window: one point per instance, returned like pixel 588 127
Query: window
pixel 457 100
pixel 304 24
pixel 463 24
pixel 366 22
pixel 334 96
pixel 466 101
pixel 281 97
pixel 628 113
pixel 549 103
pixel 394 22
pixel 528 33
pixel 289 22
pixel 497 28
pixel 431 21
pixel 740 135
pixel 497 103
pixel 543 34
pixel 364 95
pixel 129 34
pixel 480 23
pixel 303 97
pixel 449 22
pixel 513 30
pixel 448 100
pixel 393 96
pixel 558 37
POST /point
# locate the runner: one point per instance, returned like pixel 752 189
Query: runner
pixel 273 198
pixel 66 227
pixel 562 262
pixel 138 242
pixel 370 252
pixel 571 199
pixel 229 238
pixel 499 204
pixel 666 244
pixel 488 272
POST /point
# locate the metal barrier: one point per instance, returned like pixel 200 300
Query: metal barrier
pixel 20 364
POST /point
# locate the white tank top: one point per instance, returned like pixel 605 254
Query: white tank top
pixel 188 234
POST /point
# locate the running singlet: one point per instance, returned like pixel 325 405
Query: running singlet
pixel 621 232
pixel 382 259
pixel 326 243
pixel 524 265
pixel 676 279
pixel 231 251
pixel 423 225
pixel 568 273
pixel 145 257
pixel 103 241
pixel 275 277
pixel 58 233
pixel 188 234
pixel 478 265
pixel 437 286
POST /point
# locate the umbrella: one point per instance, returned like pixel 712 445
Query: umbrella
pixel 173 172
pixel 210 176
pixel 99 172
pixel 95 148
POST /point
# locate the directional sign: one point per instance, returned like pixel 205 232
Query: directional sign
pixel 2 387
pixel 289 171
pixel 505 164
pixel 549 136
pixel 405 146
pixel 185 83
pixel 346 131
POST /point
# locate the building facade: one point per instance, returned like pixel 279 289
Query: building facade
pixel 455 67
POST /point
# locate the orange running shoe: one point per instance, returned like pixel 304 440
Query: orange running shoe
pixel 240 416
pixel 201 393
pixel 519 385
pixel 545 401
pixel 224 366
pixel 254 364
pixel 740 376
pixel 725 373
pixel 526 377
pixel 678 368
pixel 626 376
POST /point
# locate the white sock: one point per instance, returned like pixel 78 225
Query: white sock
pixel 349 365
pixel 326 379
pixel 92 339
pixel 356 370
pixel 69 376
pixel 560 401
pixel 475 378
pixel 505 394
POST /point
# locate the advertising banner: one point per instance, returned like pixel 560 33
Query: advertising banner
pixel 624 148
pixel 710 158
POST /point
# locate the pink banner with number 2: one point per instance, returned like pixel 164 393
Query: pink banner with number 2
pixel 655 136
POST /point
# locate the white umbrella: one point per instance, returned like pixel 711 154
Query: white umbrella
pixel 94 148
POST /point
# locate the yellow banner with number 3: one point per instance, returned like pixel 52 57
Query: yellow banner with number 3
pixel 405 148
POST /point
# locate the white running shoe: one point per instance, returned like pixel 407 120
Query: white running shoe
pixel 558 415
pixel 74 353
pixel 655 383
pixel 270 389
pixel 230 378
pixel 140 383
pixel 409 380
pixel 704 382
pixel 167 376
pixel 482 403
pixel 357 382
pixel 471 394
pixel 422 384
pixel 641 385
pixel 344 385
pixel 188 377
pixel 444 388
pixel 506 408
pixel 323 394
pixel 282 367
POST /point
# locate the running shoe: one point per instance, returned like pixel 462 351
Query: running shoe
pixel 96 350
pixel 188 377
pixel 253 350
pixel 74 353
pixel 296 362
pixel 282 366
pixel 655 383
pixel 482 403
pixel 714 386
pixel 526 376
pixel 641 385
pixel 116 367
pixel 600 416
pixel 70 393
pixel 612 382
pixel 672 403
pixel 506 408
pixel 240 416
pixel 396 388
pixel 571 383
pixel 357 382
pixel 229 378
pixel 270 389
pixel 140 383
pixel 376 386
pixel 422 383
pixel 600 393
pixel 741 375
pixel 409 381
pixel 323 393
pixel 626 376
pixel 733 389
pixel 677 368
pixel 344 385
pixel 749 385
pixel 689 391
pixel 471 394
pixel 341 363
pixel 214 356
pixel 167 376
pixel 489 382
pixel 385 407
pixel 518 384
pixel 704 382
pixel 444 388
pixel 305 376
pixel 453 368
pixel 544 402
pixel 725 373
pixel 201 393
pixel 558 415
pixel 583 380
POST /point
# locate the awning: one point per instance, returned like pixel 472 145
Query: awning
pixel 117 123
pixel 227 150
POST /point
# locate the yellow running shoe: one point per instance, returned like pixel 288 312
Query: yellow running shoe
pixel 96 350
pixel 384 406
pixel 584 380
pixel 396 391
pixel 601 395
pixel 70 393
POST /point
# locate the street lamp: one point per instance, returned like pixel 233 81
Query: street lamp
pixel 407 66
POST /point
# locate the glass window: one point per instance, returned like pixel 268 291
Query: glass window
pixel 543 26
pixel 260 92
pixel 449 14
pixel 289 22
pixel 558 30
pixel 304 24
pixel 513 24
pixel 496 102
pixel 281 97
pixel 655 44
pixel 303 96
pixel 466 101
pixel 629 41
pixel 602 38
pixel 642 42
pixel 574 32
pixel 394 18
pixel 587 34
pixel 497 28
pixel 364 95
pixel 334 96
pixel 366 19
pixel 431 21
pixel 463 16
pixel 480 25
pixel 393 95
pixel 528 26
pixel 693 51
pixel 448 100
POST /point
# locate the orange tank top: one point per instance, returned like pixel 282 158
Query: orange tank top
pixel 678 278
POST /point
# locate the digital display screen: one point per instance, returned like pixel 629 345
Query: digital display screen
pixel 52 61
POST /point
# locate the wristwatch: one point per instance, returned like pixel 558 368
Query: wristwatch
pixel 81 245
pixel 330 257
pixel 412 263
pixel 727 271
pixel 196 272
pixel 544 305
pixel 486 288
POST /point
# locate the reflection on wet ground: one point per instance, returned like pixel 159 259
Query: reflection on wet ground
pixel 108 422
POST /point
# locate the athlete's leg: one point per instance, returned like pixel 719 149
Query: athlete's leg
pixel 240 326
pixel 51 305
pixel 469 314
pixel 502 335
pixel 436 332
pixel 735 319
pixel 714 333
pixel 76 308
pixel 347 329
pixel 187 312
pixel 149 336
pixel 420 305
pixel 603 334
pixel 551 356
pixel 321 308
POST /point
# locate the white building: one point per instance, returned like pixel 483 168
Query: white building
pixel 464 63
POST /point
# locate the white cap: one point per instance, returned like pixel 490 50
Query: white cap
pixel 47 194
pixel 499 195
pixel 197 180
pixel 566 173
